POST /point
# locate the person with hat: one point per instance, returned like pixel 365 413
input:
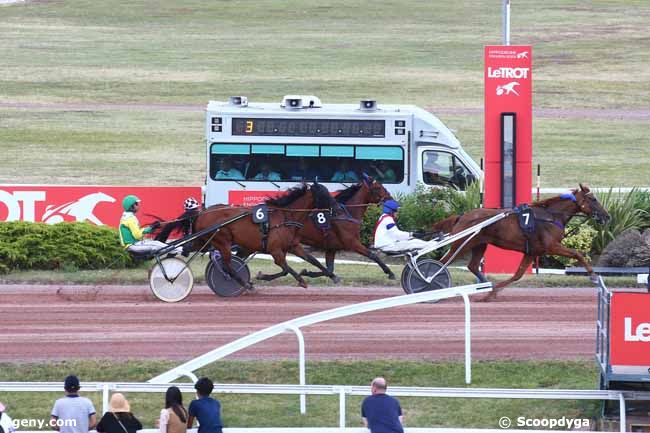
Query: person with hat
pixel 389 238
pixel 132 236
pixel 6 424
pixel 119 418
pixel 72 413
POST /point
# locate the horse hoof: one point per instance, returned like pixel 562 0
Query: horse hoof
pixel 336 279
pixel 303 284
pixel 488 298
pixel 391 276
pixel 250 290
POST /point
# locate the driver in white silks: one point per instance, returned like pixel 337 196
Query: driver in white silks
pixel 389 238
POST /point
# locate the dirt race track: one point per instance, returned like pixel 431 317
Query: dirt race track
pixel 65 322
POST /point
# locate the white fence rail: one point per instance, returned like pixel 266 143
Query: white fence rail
pixel 343 392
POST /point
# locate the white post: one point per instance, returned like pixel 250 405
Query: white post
pixel 105 398
pixel 342 407
pixel 301 365
pixel 506 22
pixel 623 417
pixel 468 342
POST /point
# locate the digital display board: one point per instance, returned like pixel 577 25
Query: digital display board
pixel 308 127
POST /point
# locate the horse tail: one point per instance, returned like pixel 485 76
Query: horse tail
pixel 183 224
pixel 446 225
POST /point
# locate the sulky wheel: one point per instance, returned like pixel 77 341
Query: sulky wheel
pixel 175 283
pixel 404 277
pixel 223 284
pixel 428 267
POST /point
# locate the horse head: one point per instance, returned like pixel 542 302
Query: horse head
pixel 376 191
pixel 589 204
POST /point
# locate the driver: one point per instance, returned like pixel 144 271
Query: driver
pixel 131 235
pixel 389 238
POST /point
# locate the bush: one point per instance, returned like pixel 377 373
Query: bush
pixel 581 240
pixel 624 214
pixel 25 245
pixel 642 202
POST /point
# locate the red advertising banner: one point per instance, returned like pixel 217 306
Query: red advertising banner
pixel 100 205
pixel 508 89
pixel 630 329
pixel 250 198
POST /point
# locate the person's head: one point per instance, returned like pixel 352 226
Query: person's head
pixel 118 403
pixel 71 384
pixel 203 387
pixel 378 385
pixel 391 207
pixel 266 167
pixel 226 164
pixel 174 400
pixel 190 203
pixel 131 203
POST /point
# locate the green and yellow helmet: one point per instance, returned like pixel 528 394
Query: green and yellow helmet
pixel 129 201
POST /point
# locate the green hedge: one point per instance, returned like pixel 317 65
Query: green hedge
pixel 67 246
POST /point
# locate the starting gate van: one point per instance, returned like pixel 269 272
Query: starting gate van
pixel 257 149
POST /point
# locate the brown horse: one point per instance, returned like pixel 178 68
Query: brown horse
pixel 550 216
pixel 344 233
pixel 287 214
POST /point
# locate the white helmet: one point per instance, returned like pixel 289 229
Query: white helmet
pixel 190 203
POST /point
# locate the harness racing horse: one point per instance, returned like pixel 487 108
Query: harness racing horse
pixel 550 216
pixel 344 233
pixel 286 215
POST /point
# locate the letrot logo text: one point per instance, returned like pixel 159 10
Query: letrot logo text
pixel 641 333
pixel 503 72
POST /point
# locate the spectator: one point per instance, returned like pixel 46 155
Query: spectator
pixel 173 418
pixel 266 173
pixel 76 414
pixel 6 424
pixel 226 170
pixel 205 409
pixel 119 418
pixel 344 173
pixel 303 172
pixel 382 172
pixel 380 412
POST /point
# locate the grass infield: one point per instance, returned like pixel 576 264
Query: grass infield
pixel 283 411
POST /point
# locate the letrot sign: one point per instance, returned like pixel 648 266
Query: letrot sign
pixel 508 138
pixel 100 205
pixel 630 332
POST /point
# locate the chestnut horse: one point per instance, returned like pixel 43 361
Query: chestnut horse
pixel 344 234
pixel 551 216
pixel 286 215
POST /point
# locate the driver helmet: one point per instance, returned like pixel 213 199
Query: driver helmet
pixel 190 203
pixel 391 206
pixel 129 201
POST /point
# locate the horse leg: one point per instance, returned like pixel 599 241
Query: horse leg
pixel 474 264
pixel 299 251
pixel 280 259
pixel 360 248
pixel 270 277
pixel 560 250
pixel 526 261
pixel 329 264
pixel 224 249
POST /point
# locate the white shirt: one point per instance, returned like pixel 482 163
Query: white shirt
pixel 6 423
pixel 387 233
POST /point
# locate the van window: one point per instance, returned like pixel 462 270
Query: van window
pixel 443 168
pixel 304 162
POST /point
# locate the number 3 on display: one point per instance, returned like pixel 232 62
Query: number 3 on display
pixel 249 127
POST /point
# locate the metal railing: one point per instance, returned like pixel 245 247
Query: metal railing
pixel 343 391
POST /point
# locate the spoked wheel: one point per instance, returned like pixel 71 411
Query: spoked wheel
pixel 412 283
pixel 178 283
pixel 223 284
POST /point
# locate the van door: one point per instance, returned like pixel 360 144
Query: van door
pixel 443 167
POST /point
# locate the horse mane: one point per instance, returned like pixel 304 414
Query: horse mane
pixel 322 197
pixel 346 194
pixel 551 201
pixel 292 195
